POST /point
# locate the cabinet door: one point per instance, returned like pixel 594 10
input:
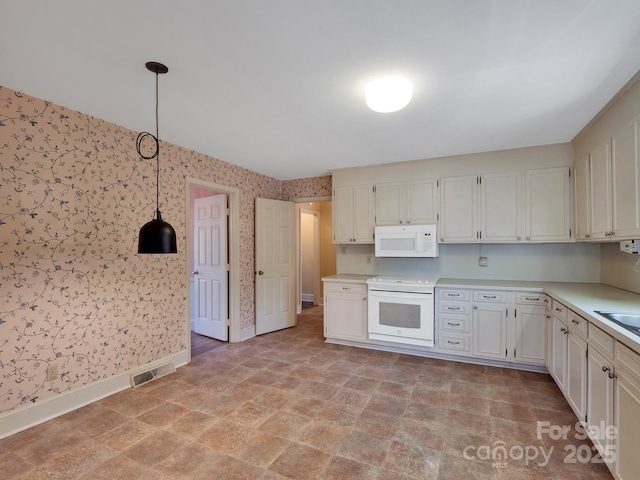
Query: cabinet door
pixel 581 179
pixel 342 214
pixel 345 316
pixel 625 188
pixel 390 203
pixel 559 353
pixel 489 324
pixel 530 335
pixel 548 205
pixel 600 403
pixel 627 422
pixel 422 201
pixel 576 382
pixel 600 167
pixel 363 214
pixel 458 199
pixel 548 331
pixel 501 207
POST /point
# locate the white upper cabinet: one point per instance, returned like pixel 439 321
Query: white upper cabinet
pixel 625 178
pixel 582 190
pixel 547 205
pixel 411 202
pixel 390 203
pixel 353 214
pixel 491 208
pixel 422 201
pixel 501 207
pixel 608 188
pixel 458 201
pixel 600 183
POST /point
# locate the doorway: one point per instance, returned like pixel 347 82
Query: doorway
pixel 316 253
pixel 213 260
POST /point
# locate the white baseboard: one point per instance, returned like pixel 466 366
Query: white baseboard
pixel 247 333
pixel 17 420
pixel 307 297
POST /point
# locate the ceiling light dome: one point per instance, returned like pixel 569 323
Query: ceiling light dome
pixel 388 94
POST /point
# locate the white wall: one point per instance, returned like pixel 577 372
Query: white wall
pixel 562 262
pixel 617 268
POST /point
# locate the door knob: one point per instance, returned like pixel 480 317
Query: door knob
pixel 195 273
pixel 260 272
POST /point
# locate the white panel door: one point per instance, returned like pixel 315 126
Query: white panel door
pixel 275 265
pixel 210 263
pixel 422 201
pixel 390 203
pixel 547 205
pixel 489 323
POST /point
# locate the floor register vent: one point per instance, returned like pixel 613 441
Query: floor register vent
pixel 144 377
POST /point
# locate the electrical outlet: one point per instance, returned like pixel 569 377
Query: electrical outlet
pixel 368 259
pixel 483 261
pixel 343 250
pixel 52 372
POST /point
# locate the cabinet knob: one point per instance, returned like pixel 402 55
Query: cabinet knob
pixel 260 272
pixel 475 307
pixel 518 238
pixel 564 330
pixel 605 369
pixel 195 273
pixel 587 235
pixel 528 238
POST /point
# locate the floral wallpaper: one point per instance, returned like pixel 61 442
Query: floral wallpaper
pixel 73 291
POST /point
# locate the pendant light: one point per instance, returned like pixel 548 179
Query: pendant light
pixel 157 236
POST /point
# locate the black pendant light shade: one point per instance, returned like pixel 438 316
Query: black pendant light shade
pixel 156 236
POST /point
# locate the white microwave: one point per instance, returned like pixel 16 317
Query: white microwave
pixel 406 241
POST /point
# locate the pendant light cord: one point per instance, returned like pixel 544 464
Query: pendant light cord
pixel 141 137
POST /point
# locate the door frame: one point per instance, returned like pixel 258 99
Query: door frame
pixel 233 253
pixel 298 201
pixel 316 256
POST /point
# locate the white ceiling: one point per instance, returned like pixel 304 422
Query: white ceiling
pixel 276 86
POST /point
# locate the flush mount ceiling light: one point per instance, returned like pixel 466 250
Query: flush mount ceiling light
pixel 157 236
pixel 388 94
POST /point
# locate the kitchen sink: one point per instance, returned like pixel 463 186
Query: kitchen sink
pixel 630 321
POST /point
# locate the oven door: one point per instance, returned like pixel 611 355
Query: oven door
pixel 401 317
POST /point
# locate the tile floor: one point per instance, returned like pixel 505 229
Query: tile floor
pixel 288 406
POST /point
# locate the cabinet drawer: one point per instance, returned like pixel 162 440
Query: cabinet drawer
pixel 489 296
pixel 577 324
pixel 459 343
pixel 559 310
pixel 602 341
pixel 628 359
pixel 454 307
pixel 530 299
pixel 334 287
pixel 453 294
pixel 454 323
pixel 547 301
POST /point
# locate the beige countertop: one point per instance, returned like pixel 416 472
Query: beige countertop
pixel 347 277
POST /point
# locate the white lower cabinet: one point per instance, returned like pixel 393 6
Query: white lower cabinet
pixel 600 387
pixel 576 381
pixel 627 413
pixel 558 352
pixel 491 324
pixel 345 311
pixel 489 330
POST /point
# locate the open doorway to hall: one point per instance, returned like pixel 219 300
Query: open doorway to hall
pixel 316 251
